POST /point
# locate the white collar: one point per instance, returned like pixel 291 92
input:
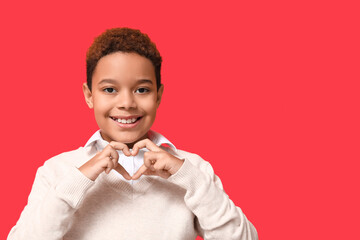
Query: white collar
pixel 155 137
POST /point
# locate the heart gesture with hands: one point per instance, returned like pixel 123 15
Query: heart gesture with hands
pixel 156 161
pixel 106 160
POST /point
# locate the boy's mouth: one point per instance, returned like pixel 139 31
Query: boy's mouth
pixel 126 120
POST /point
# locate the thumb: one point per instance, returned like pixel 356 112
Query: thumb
pixel 120 169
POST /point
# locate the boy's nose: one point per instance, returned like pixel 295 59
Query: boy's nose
pixel 126 100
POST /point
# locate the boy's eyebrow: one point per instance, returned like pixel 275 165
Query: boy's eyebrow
pixel 107 81
pixel 144 81
pixel 114 81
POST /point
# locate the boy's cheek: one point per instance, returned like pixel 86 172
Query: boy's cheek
pixel 148 103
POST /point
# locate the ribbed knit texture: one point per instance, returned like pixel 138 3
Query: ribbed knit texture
pixel 73 187
pixel 64 204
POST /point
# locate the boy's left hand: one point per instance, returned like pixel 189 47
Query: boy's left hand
pixel 156 161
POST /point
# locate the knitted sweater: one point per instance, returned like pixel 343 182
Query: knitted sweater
pixel 64 204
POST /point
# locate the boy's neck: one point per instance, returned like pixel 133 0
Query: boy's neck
pixel 129 145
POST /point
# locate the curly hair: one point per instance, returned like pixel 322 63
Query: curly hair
pixel 124 40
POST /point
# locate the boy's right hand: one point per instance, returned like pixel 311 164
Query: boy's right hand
pixel 106 160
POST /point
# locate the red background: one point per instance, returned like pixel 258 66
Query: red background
pixel 266 91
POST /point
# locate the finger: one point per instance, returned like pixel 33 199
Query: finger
pixel 139 172
pixel 164 174
pixel 110 165
pixel 120 169
pixel 109 151
pixel 159 166
pixel 120 146
pixel 145 143
pixel 149 172
pixel 161 173
pixel 111 155
pixel 150 158
pixel 114 155
pixel 115 161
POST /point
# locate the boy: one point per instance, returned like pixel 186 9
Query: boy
pixel 124 183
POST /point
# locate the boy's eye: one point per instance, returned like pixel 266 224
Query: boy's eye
pixel 142 90
pixel 109 90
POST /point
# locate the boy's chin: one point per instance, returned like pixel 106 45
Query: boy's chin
pixel 129 140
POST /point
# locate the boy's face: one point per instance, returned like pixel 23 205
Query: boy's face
pixel 124 96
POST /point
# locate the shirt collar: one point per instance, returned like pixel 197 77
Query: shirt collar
pixel 155 137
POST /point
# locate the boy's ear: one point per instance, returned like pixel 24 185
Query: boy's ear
pixel 88 95
pixel 159 94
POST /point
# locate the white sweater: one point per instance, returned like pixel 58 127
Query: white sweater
pixel 64 204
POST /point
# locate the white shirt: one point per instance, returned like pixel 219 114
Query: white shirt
pixel 132 163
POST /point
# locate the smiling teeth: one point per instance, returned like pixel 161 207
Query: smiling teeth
pixel 126 121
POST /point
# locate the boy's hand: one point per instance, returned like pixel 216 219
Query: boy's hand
pixel 156 161
pixel 106 160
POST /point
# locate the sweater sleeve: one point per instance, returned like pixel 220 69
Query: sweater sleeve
pixel 217 215
pixel 51 205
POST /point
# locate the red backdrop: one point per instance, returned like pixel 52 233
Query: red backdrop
pixel 266 91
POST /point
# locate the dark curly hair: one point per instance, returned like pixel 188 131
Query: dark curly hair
pixel 124 40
